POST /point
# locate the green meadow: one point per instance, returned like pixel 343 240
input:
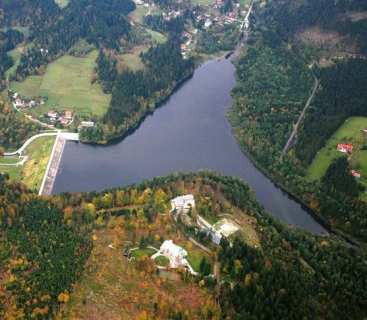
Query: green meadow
pixel 68 85
pixel 349 132
pixel 32 172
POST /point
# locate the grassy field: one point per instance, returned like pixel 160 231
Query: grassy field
pixel 14 172
pixel 16 55
pixel 202 2
pixel 157 37
pixel 162 261
pixel 138 14
pixel 67 83
pixel 140 253
pixel 245 2
pixel 131 60
pixel 32 172
pixel 349 132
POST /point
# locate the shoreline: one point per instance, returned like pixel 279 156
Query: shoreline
pixel 292 195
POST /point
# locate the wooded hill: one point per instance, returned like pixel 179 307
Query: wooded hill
pixel 275 79
pixel 288 274
pixel 105 26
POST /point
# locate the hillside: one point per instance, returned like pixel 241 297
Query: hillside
pixel 268 271
pixel 293 44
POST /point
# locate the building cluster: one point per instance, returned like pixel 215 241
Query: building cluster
pixel 187 39
pixel 348 149
pixel 223 228
pixel 22 103
pixel 345 148
pixel 171 15
pixel 64 118
pixel 181 207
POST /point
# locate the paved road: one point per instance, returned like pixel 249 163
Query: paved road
pixel 29 141
pixel 301 117
pixel 65 135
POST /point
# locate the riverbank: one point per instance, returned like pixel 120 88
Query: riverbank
pixel 188 134
pixel 139 119
pixel 294 196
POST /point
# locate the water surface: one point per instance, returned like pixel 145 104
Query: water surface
pixel 188 133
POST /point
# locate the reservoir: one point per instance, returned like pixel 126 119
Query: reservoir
pixel 189 132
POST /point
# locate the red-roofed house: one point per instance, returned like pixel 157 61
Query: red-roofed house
pixel 345 147
pixel 355 174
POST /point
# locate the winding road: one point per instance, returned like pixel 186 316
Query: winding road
pixel 65 135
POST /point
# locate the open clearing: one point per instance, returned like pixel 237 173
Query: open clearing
pixel 31 174
pixel 62 3
pixel 114 288
pixel 131 60
pixel 16 54
pixel 349 132
pixel 67 83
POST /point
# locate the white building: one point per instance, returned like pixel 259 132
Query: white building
pixel 209 229
pixel 175 254
pixel 183 204
pixel 87 124
pixel 207 23
pixel 223 228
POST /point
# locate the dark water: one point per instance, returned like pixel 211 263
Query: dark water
pixel 189 132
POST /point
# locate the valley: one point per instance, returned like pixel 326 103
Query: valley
pixel 183 159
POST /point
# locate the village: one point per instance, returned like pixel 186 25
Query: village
pixel 205 17
pixel 51 119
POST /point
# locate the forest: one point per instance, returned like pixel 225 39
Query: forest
pixel 103 24
pixel 269 98
pixel 342 95
pixel 136 93
pixel 14 129
pixel 292 275
pixel 8 41
pixel 40 255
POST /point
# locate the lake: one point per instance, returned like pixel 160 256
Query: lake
pixel 189 132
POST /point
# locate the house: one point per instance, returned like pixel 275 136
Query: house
pixel 355 174
pixel 183 46
pixel 175 254
pixel 18 103
pixel 209 229
pixel 53 115
pixel 68 115
pixel 345 147
pixel 222 228
pixel 64 121
pixel 207 23
pixel 364 131
pixel 87 124
pixel 183 204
